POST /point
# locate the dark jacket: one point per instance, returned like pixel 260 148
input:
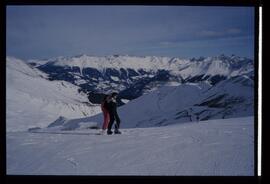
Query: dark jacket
pixel 112 106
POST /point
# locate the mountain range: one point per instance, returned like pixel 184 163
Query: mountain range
pixel 133 76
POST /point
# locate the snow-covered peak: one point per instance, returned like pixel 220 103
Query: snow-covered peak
pixel 218 65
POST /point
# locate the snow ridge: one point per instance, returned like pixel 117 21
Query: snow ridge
pixel 32 100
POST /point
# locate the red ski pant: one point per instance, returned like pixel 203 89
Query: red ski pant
pixel 106 119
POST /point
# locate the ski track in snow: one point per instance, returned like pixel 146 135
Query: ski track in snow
pixel 216 147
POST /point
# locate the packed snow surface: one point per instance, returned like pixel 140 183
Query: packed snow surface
pixel 222 147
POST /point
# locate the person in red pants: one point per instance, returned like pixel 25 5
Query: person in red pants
pixel 106 115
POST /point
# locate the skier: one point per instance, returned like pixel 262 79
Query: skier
pixel 106 115
pixel 112 107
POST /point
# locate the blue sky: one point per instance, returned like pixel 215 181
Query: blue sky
pixel 35 32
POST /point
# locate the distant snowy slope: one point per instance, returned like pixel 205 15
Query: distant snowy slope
pixel 191 102
pixel 32 100
pixel 222 147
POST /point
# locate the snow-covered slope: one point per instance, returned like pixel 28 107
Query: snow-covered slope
pixel 208 148
pixel 32 100
pixel 185 103
pixel 190 102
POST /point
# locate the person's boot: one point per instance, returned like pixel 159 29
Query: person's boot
pixel 109 132
pixel 102 132
pixel 116 131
